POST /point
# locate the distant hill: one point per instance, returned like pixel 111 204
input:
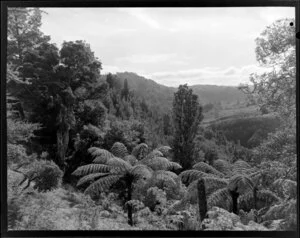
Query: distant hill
pixel 162 96
pixel 155 94
pixel 214 93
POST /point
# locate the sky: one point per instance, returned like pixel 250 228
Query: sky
pixel 172 46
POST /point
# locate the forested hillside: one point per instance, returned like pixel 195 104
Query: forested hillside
pixel 162 96
pixel 87 151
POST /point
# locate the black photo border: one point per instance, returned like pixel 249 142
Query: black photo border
pixel 133 3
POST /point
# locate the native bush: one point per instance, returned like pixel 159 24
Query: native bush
pixel 45 174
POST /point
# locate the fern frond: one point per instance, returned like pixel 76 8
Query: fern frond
pixel 140 151
pixel 102 184
pixel 141 171
pixel 206 168
pixel 191 195
pixel 255 177
pixel 163 173
pixel 222 166
pixel 189 176
pixel 154 153
pixel 264 198
pixel 158 163
pixel 285 187
pixel 174 166
pixel 101 155
pixel 119 164
pixel 130 159
pixel 91 150
pixel 91 168
pixel 267 196
pixel 241 167
pixel 240 184
pixel 220 198
pixel 165 150
pixel 119 150
pixel 90 177
pixel 212 184
pixel 163 181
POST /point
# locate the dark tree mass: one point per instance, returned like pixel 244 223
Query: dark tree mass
pixel 92 151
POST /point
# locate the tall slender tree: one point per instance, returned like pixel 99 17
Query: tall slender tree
pixel 187 114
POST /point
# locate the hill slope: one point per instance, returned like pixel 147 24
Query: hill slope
pixel 162 96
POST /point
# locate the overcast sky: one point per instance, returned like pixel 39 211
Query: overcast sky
pixel 169 45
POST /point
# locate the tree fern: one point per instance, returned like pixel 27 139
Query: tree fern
pixel 212 184
pixel 160 163
pixel 119 150
pixel 220 198
pixel 90 178
pixel 154 153
pixel 95 151
pixel 222 165
pixel 102 184
pixel 206 168
pixel 101 155
pixel 141 172
pixel 118 163
pixel 91 168
pixel 264 198
pixel 241 167
pixel 130 159
pixel 165 150
pixel 140 151
pixel 189 176
pixel 240 184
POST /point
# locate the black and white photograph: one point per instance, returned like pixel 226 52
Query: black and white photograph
pixel 151 118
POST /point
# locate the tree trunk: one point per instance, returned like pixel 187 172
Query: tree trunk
pixel 202 202
pixel 129 207
pixel 62 145
pixel 62 136
pixel 234 196
pixel 255 197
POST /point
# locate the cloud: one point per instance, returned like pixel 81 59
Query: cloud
pixel 141 15
pixel 145 59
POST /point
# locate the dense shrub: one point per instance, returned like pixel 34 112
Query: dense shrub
pixel 45 174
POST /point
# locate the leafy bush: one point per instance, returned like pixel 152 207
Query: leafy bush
pixel 16 153
pixel 45 174
pixel 20 131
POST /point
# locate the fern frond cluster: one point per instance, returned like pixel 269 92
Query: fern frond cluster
pixel 119 150
pixel 240 184
pixel 264 198
pixel 222 165
pixel 206 168
pixel 241 167
pixel 140 151
pixel 189 176
pixel 130 159
pixel 160 163
pixel 154 153
pixel 285 188
pixel 220 198
pixel 165 150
